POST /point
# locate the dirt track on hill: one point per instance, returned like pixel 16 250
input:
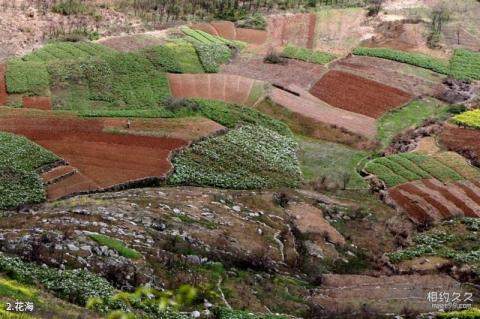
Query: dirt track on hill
pixel 357 94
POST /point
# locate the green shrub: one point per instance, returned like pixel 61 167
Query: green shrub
pixel 471 313
pixel 116 245
pixel 76 286
pixel 69 7
pixel 417 59
pixel 249 157
pixel 254 21
pixel 307 55
pixel 466 64
pixel 469 118
pixel 27 77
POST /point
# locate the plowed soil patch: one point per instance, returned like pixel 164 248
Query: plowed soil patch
pixel 358 94
pixel 105 159
pixel 3 88
pixel 37 102
pixel 464 141
pixel 223 87
pixel 206 27
pixel 295 72
pixel 225 29
pixel 407 78
pixel 392 294
pixel 252 36
pixel 322 112
pixel 434 201
pixel 298 29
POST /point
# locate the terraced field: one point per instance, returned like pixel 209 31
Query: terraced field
pixel 223 87
pixel 357 94
pixel 228 31
pixel 297 29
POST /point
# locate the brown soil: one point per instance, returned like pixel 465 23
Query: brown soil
pixel 297 29
pixel 410 79
pixel 322 112
pixel 357 94
pixel 228 30
pixel 126 43
pixel 75 184
pixel 206 27
pixel 434 201
pixel 57 173
pixel 223 87
pixel 349 294
pixel 252 36
pixel 104 159
pixel 225 29
pixel 463 141
pixel 296 72
pixel 37 102
pixel 3 87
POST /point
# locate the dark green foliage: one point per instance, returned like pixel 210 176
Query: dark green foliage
pixel 116 245
pixel 245 158
pixel 466 64
pixel 254 21
pixel 163 58
pixel 27 77
pixel 76 286
pixel 68 51
pixel 307 55
pixel 417 59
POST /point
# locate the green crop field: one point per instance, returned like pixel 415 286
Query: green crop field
pixel 409 116
pixel 19 184
pixel 466 64
pixel 248 157
pixel 307 55
pixel 417 59
pixel 469 118
pixel 407 167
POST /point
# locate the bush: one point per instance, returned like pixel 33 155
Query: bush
pixel 116 245
pixel 255 21
pixel 416 59
pixel 27 77
pixel 75 286
pixel 307 55
pixel 177 105
pixel 274 58
pixel 245 158
pixel 69 7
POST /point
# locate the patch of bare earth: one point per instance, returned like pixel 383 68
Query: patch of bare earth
pixel 348 295
pixel 410 79
pixel 126 43
pixel 296 72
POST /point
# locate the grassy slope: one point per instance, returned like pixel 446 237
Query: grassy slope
pixel 398 120
pixel 318 158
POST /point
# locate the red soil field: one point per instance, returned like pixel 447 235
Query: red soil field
pixel 37 102
pixel 57 173
pixel 225 29
pixel 104 160
pixel 357 94
pixel 206 27
pixel 464 141
pixel 252 36
pixel 223 87
pixel 431 200
pixel 3 88
pixel 297 29
pixel 324 113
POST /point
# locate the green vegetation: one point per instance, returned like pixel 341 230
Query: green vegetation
pixel 471 313
pixel 307 55
pixel 75 286
pixel 186 56
pixel 69 7
pixel 27 77
pixel 456 240
pixel 116 245
pixel 163 57
pixel 15 290
pixel 469 118
pixel 410 116
pixel 238 314
pixel 466 64
pixel 4 314
pixel 19 184
pixel 406 167
pixel 212 55
pixel 254 21
pixel 417 59
pixel 330 160
pixel 245 158
pixel 68 51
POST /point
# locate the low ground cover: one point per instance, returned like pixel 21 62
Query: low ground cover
pixel 307 55
pixel 406 167
pixel 456 240
pixel 409 116
pixel 19 183
pixel 245 158
pixel 417 59
pixel 333 161
pixel 466 64
pixel 116 245
pixel 469 119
